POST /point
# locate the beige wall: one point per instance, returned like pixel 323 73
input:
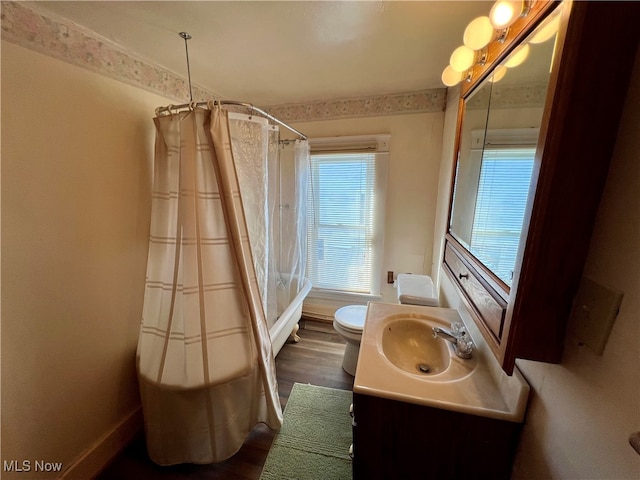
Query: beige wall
pixel 412 188
pixel 76 160
pixel 582 411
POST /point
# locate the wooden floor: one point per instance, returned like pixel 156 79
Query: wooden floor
pixel 316 359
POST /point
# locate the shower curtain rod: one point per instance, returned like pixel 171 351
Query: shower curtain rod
pixel 186 37
pixel 250 106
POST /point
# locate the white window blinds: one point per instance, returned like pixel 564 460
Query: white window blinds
pixel 344 219
pixel 501 201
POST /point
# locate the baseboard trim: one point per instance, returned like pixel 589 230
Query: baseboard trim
pixel 96 458
pixel 317 318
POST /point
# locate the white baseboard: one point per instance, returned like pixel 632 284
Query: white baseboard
pixel 96 458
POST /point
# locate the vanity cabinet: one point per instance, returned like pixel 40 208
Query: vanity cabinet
pixel 522 312
pixel 404 441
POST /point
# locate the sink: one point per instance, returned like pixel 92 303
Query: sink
pixel 398 340
pixel 409 345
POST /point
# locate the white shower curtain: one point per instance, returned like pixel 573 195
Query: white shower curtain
pixel 254 143
pixel 204 358
pixel 291 216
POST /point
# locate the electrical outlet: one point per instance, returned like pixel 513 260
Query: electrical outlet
pixel 594 310
pixel 390 277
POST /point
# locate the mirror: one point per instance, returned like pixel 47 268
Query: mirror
pixel 497 142
pixel 522 306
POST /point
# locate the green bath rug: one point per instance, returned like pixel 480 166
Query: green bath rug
pixel 313 443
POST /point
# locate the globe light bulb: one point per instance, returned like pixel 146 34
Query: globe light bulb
pixel 505 12
pixel 478 33
pixel 546 31
pixel 498 73
pixel 462 58
pixel 450 77
pixel 518 56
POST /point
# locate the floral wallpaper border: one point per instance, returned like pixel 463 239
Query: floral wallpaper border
pixel 433 100
pixel 24 25
pixel 511 96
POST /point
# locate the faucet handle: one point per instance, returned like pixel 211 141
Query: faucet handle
pixel 458 329
pixel 464 344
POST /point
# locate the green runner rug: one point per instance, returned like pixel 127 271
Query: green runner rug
pixel 313 443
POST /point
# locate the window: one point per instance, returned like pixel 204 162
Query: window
pixel 345 213
pixel 503 190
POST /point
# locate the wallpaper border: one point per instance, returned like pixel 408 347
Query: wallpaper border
pixel 422 101
pixel 26 26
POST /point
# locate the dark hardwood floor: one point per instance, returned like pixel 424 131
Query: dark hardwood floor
pixel 316 359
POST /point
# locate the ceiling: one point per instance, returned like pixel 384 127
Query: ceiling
pixel 273 52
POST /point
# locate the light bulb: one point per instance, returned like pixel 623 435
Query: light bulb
pixel 498 73
pixel 546 31
pixel 478 33
pixel 519 55
pixel 462 58
pixel 505 12
pixel 450 77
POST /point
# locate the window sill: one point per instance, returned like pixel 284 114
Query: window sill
pixel 349 298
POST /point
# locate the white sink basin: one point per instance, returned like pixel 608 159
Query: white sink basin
pixel 408 344
pixel 397 340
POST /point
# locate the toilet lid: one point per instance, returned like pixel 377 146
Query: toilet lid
pixel 352 317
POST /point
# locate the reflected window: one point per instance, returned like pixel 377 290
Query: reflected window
pixel 503 188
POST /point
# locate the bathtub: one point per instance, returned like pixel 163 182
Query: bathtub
pixel 287 323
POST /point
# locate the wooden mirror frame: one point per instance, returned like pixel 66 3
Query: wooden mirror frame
pixel 595 52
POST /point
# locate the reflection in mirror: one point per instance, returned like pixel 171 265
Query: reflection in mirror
pixel 497 145
pixel 474 124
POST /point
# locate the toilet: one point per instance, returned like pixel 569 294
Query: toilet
pixel 349 321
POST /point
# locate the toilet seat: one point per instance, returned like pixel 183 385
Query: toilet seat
pixel 351 318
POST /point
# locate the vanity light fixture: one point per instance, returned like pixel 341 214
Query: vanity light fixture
pixel 480 32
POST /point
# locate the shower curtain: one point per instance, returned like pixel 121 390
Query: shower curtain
pixel 204 358
pixel 288 209
pixel 254 143
pixel 273 179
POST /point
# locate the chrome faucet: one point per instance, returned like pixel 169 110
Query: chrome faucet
pixel 458 336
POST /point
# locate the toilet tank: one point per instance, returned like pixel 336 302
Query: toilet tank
pixel 416 290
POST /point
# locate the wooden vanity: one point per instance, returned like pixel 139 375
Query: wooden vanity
pixel 404 441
